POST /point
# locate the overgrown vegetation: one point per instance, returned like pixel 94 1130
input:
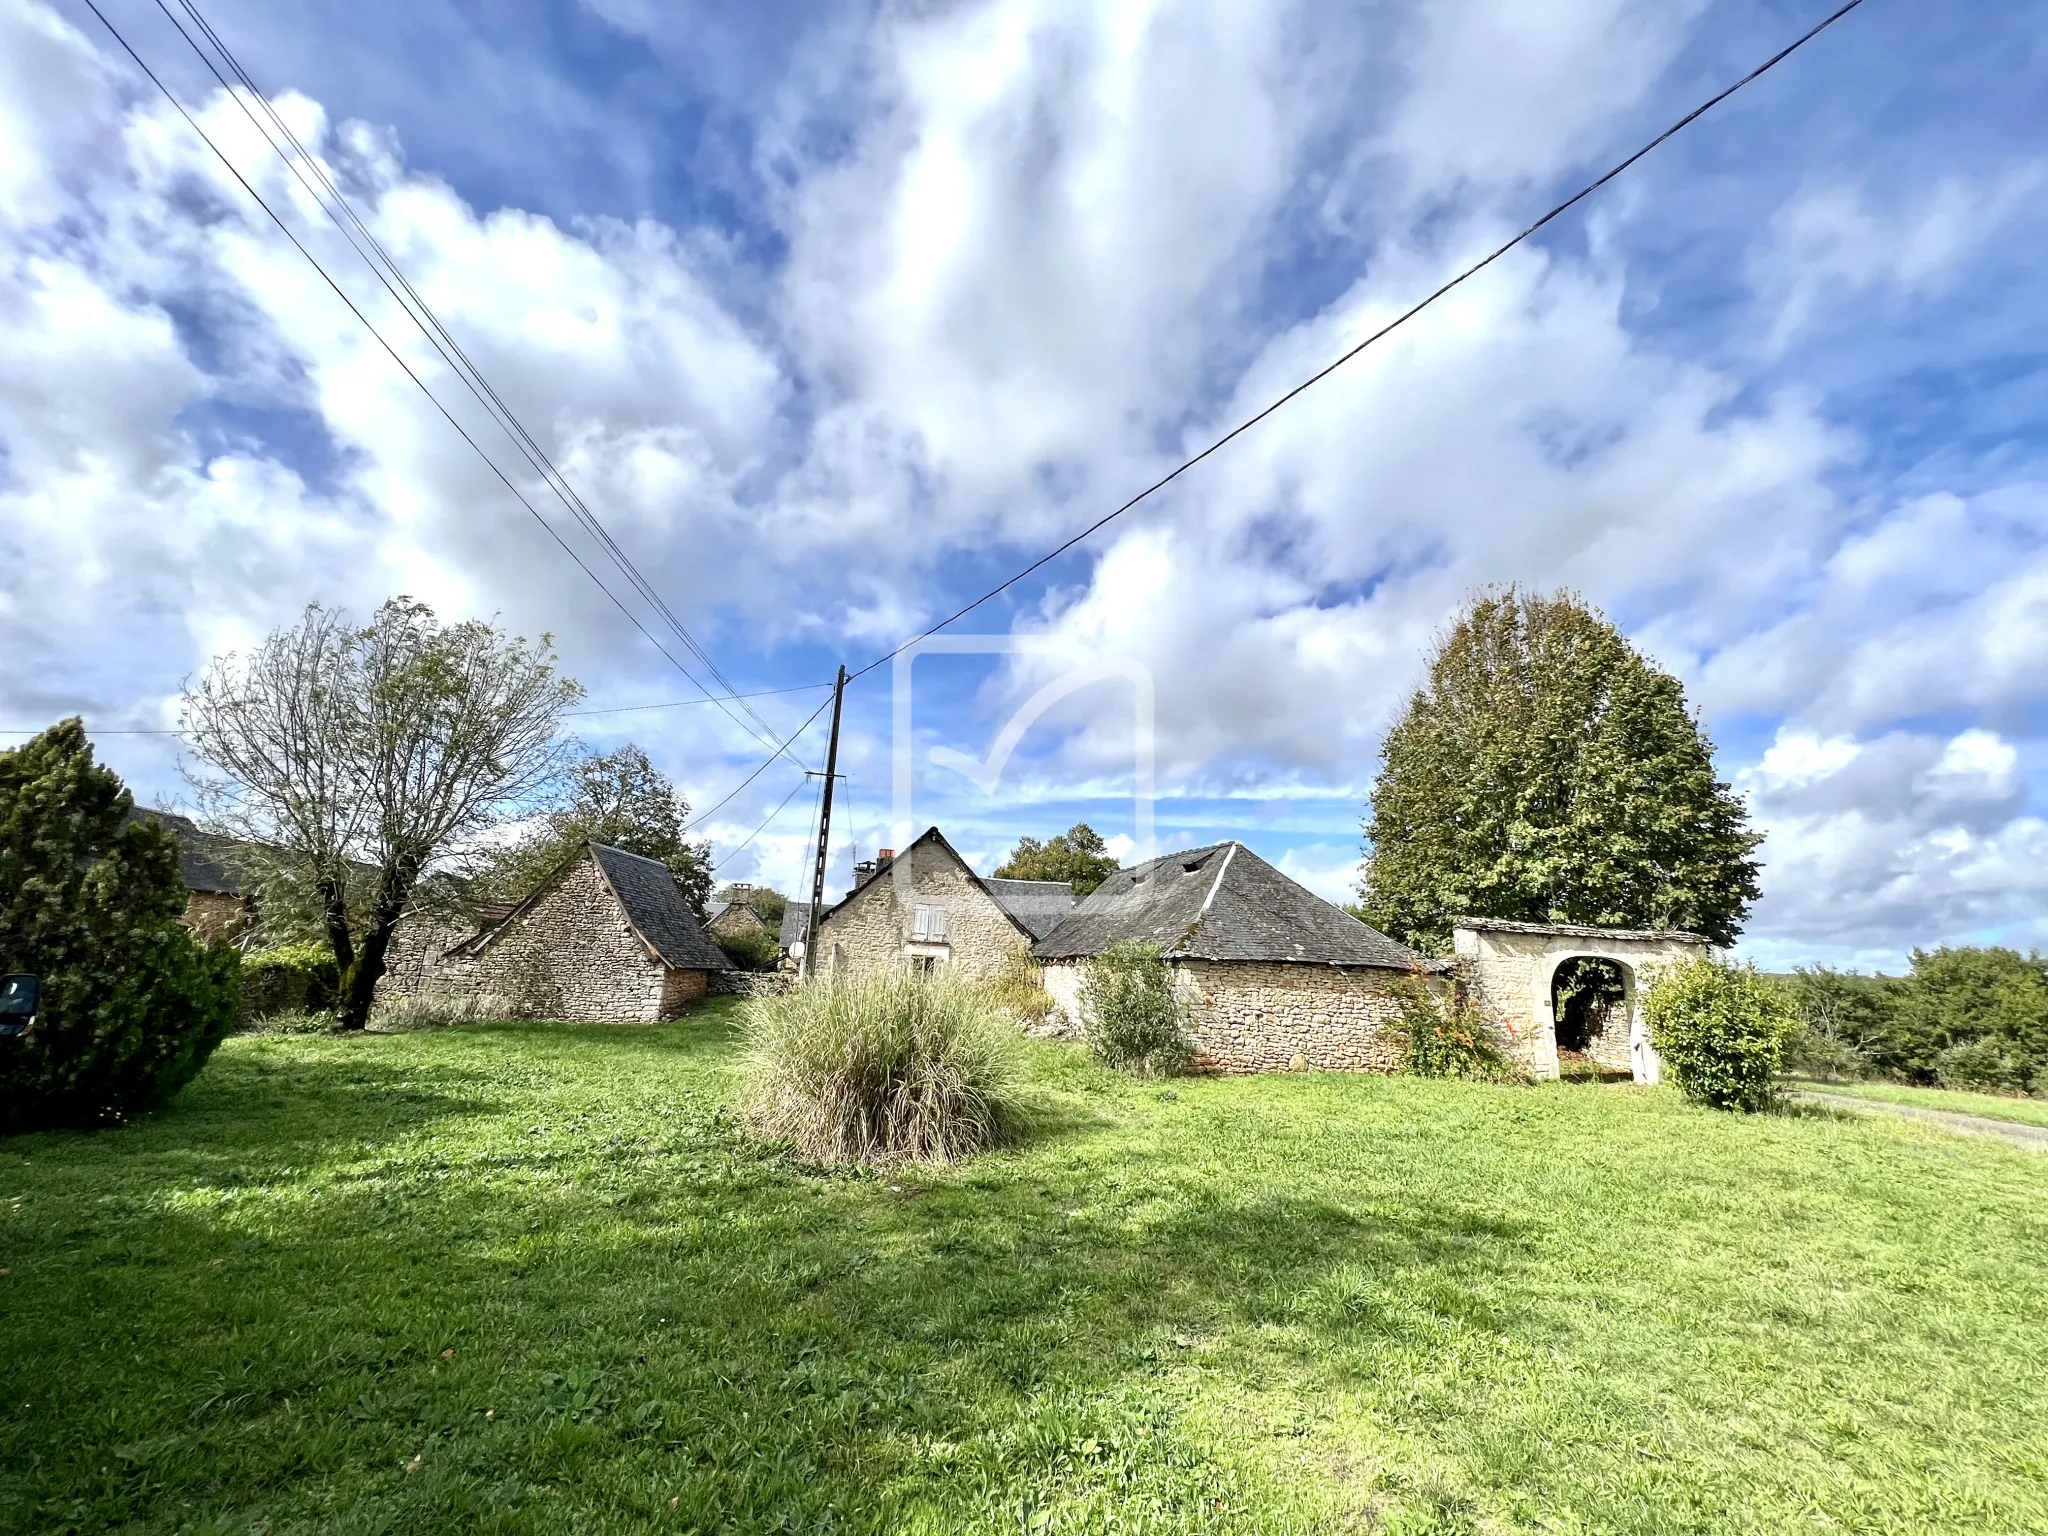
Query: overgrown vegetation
pixel 1720 1030
pixel 544 1267
pixel 1133 1018
pixel 1547 771
pixel 435 1010
pixel 1018 988
pixel 1443 1034
pixel 292 978
pixel 1969 1018
pixel 751 950
pixel 880 1067
pixel 132 1005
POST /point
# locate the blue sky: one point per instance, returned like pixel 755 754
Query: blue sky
pixel 837 314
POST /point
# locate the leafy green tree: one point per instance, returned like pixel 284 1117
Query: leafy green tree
pixel 1547 772
pixel 132 1004
pixel 349 761
pixel 1975 1017
pixel 1077 855
pixel 619 798
pixel 1721 1031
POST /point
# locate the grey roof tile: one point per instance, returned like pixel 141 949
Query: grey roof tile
pixel 1222 902
pixel 1038 905
pixel 655 906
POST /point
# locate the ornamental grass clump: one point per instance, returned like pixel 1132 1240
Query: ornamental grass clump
pixel 1721 1031
pixel 869 1069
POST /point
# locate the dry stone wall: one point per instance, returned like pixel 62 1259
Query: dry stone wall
pixel 571 955
pixel 874 929
pixel 1260 1016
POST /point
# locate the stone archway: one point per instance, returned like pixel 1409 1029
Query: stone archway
pixel 1510 971
pixel 1592 1006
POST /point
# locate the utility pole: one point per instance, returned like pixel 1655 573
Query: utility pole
pixel 824 825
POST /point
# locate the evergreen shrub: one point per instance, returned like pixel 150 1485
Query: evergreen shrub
pixel 132 1004
pixel 1721 1031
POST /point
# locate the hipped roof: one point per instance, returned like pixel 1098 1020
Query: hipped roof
pixel 1222 902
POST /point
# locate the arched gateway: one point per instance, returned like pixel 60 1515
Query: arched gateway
pixel 1513 973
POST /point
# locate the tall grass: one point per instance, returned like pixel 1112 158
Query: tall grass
pixel 872 1068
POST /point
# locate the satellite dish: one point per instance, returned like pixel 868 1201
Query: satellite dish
pixel 796 950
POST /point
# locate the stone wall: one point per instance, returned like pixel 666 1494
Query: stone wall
pixel 872 930
pixel 571 955
pixel 1259 1016
pixel 751 983
pixel 217 915
pixel 1508 975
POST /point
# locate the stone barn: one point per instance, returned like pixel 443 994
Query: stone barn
pixel 924 907
pixel 218 902
pixel 608 938
pixel 1564 994
pixel 736 918
pixel 1274 976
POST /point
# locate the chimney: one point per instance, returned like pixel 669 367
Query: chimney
pixel 862 868
pixel 885 855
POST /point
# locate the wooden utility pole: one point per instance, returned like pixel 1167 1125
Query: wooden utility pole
pixel 824 825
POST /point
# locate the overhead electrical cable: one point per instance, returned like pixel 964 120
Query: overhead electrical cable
pixel 761 769
pixel 800 783
pixel 758 693
pixel 437 336
pixel 1392 325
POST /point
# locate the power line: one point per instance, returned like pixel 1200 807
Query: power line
pixel 800 783
pixel 759 693
pixel 459 362
pixel 1392 325
pixel 763 768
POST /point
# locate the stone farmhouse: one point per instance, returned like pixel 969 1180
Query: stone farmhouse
pixel 735 918
pixel 608 938
pixel 1273 975
pixel 924 907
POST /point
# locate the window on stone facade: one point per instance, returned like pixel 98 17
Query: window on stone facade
pixel 930 924
pixel 924 963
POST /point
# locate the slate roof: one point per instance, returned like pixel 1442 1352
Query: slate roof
pixel 1036 905
pixel 1578 930
pixel 655 906
pixel 200 864
pixel 1222 903
pixel 794 916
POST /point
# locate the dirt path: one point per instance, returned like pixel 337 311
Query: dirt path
pixel 1973 1125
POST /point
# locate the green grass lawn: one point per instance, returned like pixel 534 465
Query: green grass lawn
pixel 534 1278
pixel 1991 1105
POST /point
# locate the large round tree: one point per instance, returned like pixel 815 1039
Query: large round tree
pixel 1547 772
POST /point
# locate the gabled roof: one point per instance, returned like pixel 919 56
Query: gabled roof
pixel 1038 905
pixel 1223 902
pixel 656 907
pixel 734 905
pixel 937 839
pixel 794 916
pixel 651 899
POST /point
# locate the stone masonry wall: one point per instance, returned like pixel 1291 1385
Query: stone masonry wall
pixel 1257 1016
pixel 872 931
pixel 1508 976
pixel 572 955
pixel 216 915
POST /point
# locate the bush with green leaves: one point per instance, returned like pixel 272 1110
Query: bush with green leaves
pixel 1721 1031
pixel 1984 1063
pixel 1133 1018
pixel 876 1067
pixel 751 949
pixel 1442 1034
pixel 293 978
pixel 90 901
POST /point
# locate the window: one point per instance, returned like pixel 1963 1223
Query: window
pixel 924 964
pixel 930 925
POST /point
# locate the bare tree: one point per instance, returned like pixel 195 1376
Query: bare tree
pixel 353 759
